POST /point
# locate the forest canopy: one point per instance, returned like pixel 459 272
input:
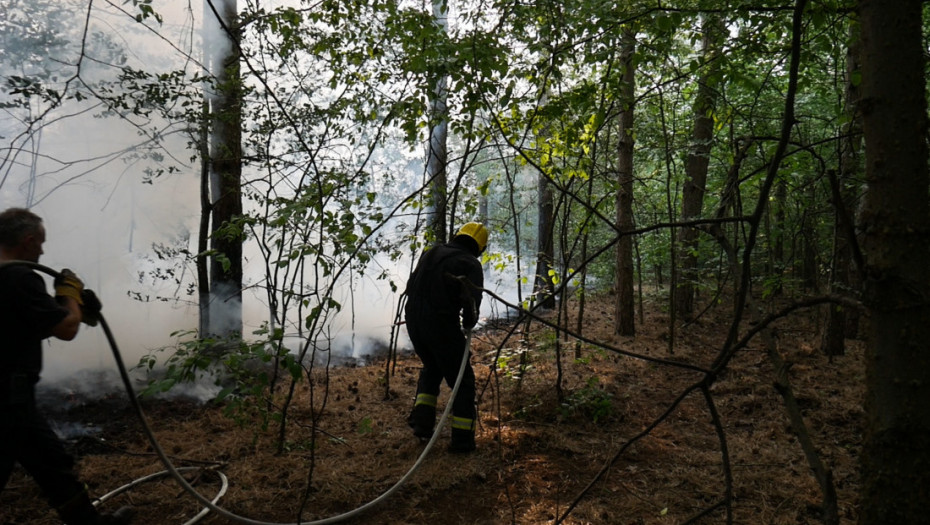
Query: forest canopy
pixel 758 157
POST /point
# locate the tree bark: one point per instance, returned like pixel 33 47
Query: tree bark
pixel 696 167
pixel 203 232
pixel 436 155
pixel 895 222
pixel 226 175
pixel 842 323
pixel 625 306
pixel 545 245
pixel 731 205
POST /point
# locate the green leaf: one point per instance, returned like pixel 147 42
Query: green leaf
pixel 365 426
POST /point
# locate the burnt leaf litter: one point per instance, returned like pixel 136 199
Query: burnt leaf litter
pixel 545 433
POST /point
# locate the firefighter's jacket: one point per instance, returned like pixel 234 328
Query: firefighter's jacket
pixel 434 289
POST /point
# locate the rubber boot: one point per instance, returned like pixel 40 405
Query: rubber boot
pixel 122 516
pixel 422 419
pixel 80 511
pixel 463 441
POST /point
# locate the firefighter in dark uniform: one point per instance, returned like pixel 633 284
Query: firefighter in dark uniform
pixel 28 314
pixel 438 306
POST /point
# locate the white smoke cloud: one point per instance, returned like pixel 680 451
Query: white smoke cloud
pixel 99 216
pixel 102 220
pixel 99 226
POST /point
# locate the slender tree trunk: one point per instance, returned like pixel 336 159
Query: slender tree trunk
pixel 583 278
pixel 728 237
pixel 777 233
pixel 545 249
pixel 696 167
pixel 833 338
pixel 483 212
pixel 895 221
pixel 225 174
pixel 436 156
pixel 543 286
pixel 625 307
pixel 809 240
pixel 842 323
pixel 203 235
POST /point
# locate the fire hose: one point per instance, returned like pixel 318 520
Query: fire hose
pixel 210 505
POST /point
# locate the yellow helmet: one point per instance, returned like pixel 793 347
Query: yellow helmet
pixel 476 231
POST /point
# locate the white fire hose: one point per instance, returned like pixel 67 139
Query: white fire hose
pixel 210 505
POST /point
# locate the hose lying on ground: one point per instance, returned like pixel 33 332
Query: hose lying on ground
pixel 211 505
pixel 145 479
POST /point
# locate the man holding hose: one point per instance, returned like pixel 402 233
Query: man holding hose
pixel 445 285
pixel 28 315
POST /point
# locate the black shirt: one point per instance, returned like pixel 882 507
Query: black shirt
pixel 27 316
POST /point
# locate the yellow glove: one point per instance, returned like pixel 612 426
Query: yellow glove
pixel 67 284
pixel 90 310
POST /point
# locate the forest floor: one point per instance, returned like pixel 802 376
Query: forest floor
pixel 540 452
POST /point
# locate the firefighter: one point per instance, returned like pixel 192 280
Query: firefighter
pixel 439 305
pixel 28 314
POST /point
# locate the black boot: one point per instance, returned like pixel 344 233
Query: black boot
pixel 422 419
pixel 80 511
pixel 122 516
pixel 463 441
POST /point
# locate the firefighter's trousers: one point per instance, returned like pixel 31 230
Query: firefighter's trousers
pixel 27 439
pixel 439 343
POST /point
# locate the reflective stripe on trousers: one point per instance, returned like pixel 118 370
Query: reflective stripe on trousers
pixel 463 423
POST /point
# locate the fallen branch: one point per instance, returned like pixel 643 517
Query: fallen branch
pixel 823 474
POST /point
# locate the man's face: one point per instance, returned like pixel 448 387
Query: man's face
pixel 32 245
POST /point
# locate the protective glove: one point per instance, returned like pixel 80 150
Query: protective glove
pixel 67 284
pixel 90 309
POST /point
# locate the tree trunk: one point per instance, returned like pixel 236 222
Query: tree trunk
pixel 625 307
pixel 583 277
pixel 545 249
pixel 696 166
pixel 203 233
pixel 779 264
pixel 436 157
pixel 543 287
pixel 809 244
pixel 730 205
pixel 895 222
pixel 842 323
pixel 225 175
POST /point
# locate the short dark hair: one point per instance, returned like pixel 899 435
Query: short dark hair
pixel 16 224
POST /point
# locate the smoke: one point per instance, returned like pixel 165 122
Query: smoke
pixel 86 176
pixel 102 232
pixel 83 173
